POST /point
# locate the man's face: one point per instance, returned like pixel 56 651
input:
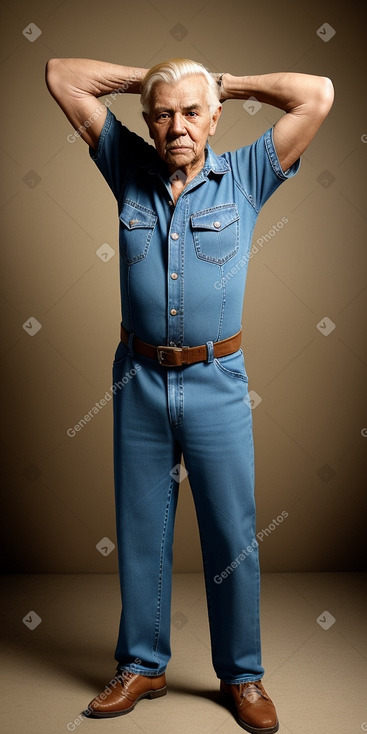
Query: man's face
pixel 179 122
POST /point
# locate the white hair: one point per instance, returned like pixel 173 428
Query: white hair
pixel 171 72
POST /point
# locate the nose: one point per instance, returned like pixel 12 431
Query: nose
pixel 178 124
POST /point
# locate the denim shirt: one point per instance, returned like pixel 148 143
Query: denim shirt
pixel 175 260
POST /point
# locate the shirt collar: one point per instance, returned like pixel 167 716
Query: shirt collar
pixel 213 162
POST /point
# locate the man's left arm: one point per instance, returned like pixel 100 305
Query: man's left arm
pixel 306 99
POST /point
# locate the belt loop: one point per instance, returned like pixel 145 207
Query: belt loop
pixel 130 344
pixel 210 352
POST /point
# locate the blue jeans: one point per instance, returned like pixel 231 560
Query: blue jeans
pixel 200 411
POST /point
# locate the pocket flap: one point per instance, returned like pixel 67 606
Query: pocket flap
pixel 215 220
pixel 134 217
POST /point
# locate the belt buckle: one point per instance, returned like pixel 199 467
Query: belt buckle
pixel 162 350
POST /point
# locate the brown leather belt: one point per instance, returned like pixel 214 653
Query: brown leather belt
pixel 177 356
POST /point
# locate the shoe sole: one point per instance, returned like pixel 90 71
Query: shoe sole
pixel 245 726
pixel 110 714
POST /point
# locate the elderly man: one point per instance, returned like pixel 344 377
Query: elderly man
pixel 186 218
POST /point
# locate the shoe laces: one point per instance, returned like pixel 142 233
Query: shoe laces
pixel 251 690
pixel 124 677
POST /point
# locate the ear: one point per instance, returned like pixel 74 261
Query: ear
pixel 146 118
pixel 214 120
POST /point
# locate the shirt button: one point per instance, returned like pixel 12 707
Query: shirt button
pixel 173 312
pixel 175 235
pixel 170 203
pixel 174 276
pixel 216 224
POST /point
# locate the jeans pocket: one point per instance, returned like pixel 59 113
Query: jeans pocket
pixel 136 229
pixel 216 233
pixel 233 365
pixel 120 354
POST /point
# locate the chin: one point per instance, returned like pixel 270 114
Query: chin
pixel 180 158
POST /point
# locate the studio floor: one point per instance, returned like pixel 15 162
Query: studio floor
pixel 314 654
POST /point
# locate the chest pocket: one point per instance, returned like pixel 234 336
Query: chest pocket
pixel 216 233
pixel 136 229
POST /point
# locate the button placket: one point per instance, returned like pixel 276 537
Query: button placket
pixel 174 281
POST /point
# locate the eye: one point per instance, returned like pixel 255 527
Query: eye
pixel 163 116
pixel 192 113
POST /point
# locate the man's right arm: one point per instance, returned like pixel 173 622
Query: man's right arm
pixel 76 85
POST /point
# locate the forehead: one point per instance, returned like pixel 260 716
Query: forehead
pixel 188 91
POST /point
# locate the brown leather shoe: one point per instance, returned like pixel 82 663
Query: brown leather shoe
pixel 123 692
pixel 255 710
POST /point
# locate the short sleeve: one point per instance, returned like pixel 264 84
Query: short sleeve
pixel 257 169
pixel 118 149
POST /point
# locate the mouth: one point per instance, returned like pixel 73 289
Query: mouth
pixel 178 148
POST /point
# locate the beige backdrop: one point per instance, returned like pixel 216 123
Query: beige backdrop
pixel 303 323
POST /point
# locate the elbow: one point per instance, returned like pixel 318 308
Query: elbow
pixel 50 67
pixel 325 96
pixel 52 75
